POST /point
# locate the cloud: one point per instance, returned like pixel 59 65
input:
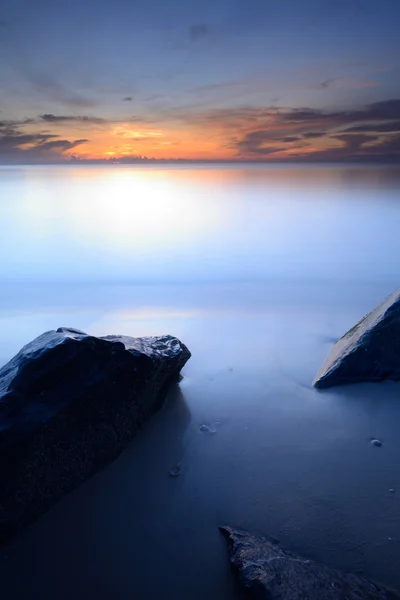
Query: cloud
pixel 310 135
pixel 254 144
pixel 389 127
pixel 198 31
pixel 349 83
pixel 378 111
pixel 17 146
pixel 59 145
pixel 388 147
pixel 355 142
pixel 260 132
pixel 12 139
pixel 323 85
pixel 361 149
pixel 127 99
pixel 50 118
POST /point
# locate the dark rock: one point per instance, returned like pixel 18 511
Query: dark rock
pixel 69 405
pixel 270 573
pixel 370 351
pixel 175 471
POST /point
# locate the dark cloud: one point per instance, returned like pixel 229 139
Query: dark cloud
pixel 198 31
pixel 313 134
pixel 265 130
pixel 69 118
pixel 13 139
pixel 389 127
pixel 254 142
pixel 127 99
pixel 59 145
pixel 17 146
pixel 360 149
pixel 378 111
pixel 323 85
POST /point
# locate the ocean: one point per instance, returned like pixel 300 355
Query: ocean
pixel 258 270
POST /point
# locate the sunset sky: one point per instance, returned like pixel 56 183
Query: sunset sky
pixel 211 80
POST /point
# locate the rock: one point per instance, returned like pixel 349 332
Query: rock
pixel 270 573
pixel 69 405
pixel 376 443
pixel 175 471
pixel 207 428
pixel 370 351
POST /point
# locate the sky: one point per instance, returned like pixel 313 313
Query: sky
pixel 128 80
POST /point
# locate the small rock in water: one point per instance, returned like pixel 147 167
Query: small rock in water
pixel 207 428
pixel 376 442
pixel 175 471
pixel 391 490
pixel 390 539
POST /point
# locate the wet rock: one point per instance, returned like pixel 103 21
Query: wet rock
pixel 175 471
pixel 376 443
pixel 208 428
pixel 270 573
pixel 370 351
pixel 69 405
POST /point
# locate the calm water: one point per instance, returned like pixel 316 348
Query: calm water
pixel 258 270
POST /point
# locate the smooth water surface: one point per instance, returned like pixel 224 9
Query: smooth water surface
pixel 258 270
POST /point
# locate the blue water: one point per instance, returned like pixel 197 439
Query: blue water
pixel 258 270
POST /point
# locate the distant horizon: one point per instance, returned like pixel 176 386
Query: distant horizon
pixel 355 161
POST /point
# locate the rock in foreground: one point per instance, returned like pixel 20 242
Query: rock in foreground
pixel 370 351
pixel 270 573
pixel 69 404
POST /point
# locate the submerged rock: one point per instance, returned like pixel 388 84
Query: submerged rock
pixel 69 404
pixel 268 572
pixel 370 351
pixel 175 471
